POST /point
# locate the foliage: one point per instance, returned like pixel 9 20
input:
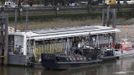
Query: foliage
pixel 2 1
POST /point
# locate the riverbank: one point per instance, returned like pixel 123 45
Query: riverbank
pixel 59 22
pixel 126 25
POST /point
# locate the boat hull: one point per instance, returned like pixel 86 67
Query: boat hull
pixel 62 65
pixel 110 58
pixel 109 55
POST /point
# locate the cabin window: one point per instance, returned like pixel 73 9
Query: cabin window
pixel 54 46
pixel 93 40
pixel 101 40
pixel 39 47
pixel 49 46
pixel 106 40
pixel 18 44
pixel 30 47
pixel 79 42
pixel 15 44
pixel 11 43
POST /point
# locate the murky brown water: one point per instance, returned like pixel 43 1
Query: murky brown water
pixel 120 67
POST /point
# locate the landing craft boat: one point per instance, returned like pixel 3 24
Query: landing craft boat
pixel 72 60
pixel 62 48
pixel 88 45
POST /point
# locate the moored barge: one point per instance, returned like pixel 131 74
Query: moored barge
pixel 71 47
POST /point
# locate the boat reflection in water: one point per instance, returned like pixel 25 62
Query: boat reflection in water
pixel 120 67
pixel 94 70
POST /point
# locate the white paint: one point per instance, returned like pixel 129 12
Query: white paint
pixel 25 46
pixel 123 72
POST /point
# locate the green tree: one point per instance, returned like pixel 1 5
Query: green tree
pixel 2 1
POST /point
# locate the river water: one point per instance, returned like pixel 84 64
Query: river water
pixel 119 67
